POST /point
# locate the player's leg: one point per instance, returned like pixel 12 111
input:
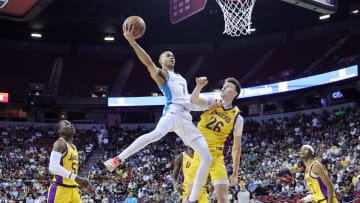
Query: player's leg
pixel 52 193
pixel 221 191
pixel 195 163
pixel 200 146
pixel 163 127
pixel 76 196
pixel 203 195
pixel 59 194
pixel 220 178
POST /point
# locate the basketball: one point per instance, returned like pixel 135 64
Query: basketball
pixel 138 23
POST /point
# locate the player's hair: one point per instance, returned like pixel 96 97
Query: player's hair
pixel 57 127
pixel 235 82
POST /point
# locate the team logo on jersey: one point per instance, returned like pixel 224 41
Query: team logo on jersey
pixel 3 3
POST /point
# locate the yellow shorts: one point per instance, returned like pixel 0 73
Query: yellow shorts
pixel 202 197
pixel 218 171
pixel 61 194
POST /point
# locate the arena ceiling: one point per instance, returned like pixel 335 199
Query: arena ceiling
pixel 80 21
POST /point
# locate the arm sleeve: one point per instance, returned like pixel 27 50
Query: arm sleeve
pixel 209 100
pixel 56 168
pixel 238 126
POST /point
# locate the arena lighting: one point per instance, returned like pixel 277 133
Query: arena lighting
pixel 109 38
pixel 324 17
pixel 251 30
pixel 262 90
pixel 355 12
pixel 36 35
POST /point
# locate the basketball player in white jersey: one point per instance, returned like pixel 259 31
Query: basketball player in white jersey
pixel 176 117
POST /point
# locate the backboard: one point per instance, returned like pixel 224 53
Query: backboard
pixel 182 9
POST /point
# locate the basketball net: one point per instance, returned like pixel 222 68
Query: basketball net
pixel 237 16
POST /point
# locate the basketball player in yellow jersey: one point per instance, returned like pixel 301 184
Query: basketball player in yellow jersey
pixel 181 166
pixel 64 165
pixel 219 124
pixel 316 178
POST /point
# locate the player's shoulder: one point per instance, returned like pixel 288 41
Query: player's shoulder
pixel 60 141
pixel 317 166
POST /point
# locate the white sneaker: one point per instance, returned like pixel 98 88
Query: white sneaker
pixel 111 164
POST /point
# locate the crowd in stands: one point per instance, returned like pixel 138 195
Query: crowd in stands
pixel 270 163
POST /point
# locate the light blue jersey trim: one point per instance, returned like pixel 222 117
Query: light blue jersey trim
pixel 168 78
pixel 166 90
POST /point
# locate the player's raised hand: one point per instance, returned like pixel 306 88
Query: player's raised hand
pixel 128 32
pixel 84 183
pixel 201 81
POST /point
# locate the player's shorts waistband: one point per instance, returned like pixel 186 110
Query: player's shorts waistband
pixel 215 148
pixel 64 185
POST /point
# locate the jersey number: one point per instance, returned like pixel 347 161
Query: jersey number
pixel 216 128
pixel 73 166
pixel 188 164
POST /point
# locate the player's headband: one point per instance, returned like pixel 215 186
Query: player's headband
pixel 310 148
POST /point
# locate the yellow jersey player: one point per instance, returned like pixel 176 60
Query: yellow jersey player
pixel 64 165
pixel 182 166
pixel 219 124
pixel 316 178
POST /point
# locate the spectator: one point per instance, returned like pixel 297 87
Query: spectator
pixel 131 198
pixel 244 195
pixel 299 189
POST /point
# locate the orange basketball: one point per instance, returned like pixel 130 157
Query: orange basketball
pixel 138 23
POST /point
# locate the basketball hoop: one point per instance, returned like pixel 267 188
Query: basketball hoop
pixel 237 16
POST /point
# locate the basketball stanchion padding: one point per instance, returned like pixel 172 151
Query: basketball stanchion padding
pixel 22 10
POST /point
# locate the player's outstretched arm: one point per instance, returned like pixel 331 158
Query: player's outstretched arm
pixel 195 98
pixel 236 149
pixel 177 165
pixel 319 170
pixel 157 74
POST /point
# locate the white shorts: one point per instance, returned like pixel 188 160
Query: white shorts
pixel 177 118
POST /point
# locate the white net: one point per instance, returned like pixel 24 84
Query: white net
pixel 237 16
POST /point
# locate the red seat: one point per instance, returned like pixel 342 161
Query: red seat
pixel 258 198
pixel 357 194
pixel 271 198
pixel 297 197
pixel 281 197
pixel 265 199
pixel 291 201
